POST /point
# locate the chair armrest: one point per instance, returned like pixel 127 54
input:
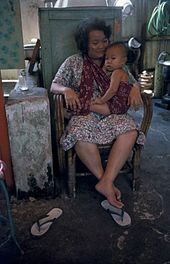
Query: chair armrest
pixel 59 128
pixel 148 111
pixel 59 114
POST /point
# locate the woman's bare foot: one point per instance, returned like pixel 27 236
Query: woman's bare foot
pixel 112 193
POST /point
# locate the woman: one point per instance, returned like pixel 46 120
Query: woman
pixel 81 79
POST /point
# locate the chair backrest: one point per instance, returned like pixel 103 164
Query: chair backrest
pixel 57 27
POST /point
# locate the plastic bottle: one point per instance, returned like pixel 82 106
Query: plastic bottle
pixel 22 80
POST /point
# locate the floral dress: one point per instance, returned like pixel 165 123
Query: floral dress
pixel 93 128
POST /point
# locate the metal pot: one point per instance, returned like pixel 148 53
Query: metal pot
pixel 166 70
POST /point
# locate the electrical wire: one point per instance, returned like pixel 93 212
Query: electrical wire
pixel 160 19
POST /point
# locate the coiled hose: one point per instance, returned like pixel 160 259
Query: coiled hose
pixel 160 19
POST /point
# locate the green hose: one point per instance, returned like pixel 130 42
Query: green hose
pixel 160 19
pixel 10 220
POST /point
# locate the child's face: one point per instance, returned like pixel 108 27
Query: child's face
pixel 114 58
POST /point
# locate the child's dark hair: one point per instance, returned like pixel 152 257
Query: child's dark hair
pixel 120 44
pixel 86 26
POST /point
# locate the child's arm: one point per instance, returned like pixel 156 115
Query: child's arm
pixel 100 108
pixel 116 77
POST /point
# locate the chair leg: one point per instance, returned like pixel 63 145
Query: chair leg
pixel 136 179
pixel 71 174
pixel 136 170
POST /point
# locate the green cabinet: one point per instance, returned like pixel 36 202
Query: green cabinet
pixel 57 26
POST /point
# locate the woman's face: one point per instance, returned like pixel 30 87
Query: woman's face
pixel 97 44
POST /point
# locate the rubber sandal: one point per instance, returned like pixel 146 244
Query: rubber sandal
pixel 121 217
pixel 40 227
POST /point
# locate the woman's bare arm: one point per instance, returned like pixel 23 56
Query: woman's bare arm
pixel 71 98
pixel 57 88
pixel 135 99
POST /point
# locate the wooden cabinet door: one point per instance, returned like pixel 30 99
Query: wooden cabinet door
pixel 57 26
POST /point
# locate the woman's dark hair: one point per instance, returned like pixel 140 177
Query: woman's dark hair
pixel 86 26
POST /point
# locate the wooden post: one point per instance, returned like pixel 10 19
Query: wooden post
pixel 4 141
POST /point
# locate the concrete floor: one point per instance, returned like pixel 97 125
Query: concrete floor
pixel 85 233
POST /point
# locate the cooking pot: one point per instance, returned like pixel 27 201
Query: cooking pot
pixel 166 70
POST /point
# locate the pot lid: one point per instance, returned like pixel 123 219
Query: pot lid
pixel 133 43
pixel 165 63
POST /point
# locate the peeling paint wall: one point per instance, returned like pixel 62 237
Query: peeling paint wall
pixel 30 140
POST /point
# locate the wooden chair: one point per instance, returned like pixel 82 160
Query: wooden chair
pixel 67 161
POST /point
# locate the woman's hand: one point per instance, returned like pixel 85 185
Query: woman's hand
pixel 71 99
pixel 117 196
pixel 135 99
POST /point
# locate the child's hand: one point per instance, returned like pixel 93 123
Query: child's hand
pixel 98 101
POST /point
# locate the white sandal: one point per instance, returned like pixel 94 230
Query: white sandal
pixel 121 217
pixel 40 227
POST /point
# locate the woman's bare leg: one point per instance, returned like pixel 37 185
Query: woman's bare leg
pixel 90 156
pixel 117 158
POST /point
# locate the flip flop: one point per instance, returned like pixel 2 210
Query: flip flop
pixel 40 227
pixel 121 217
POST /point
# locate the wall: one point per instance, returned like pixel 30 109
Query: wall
pixel 29 17
pixel 134 25
pixel 30 28
pixel 154 45
pixel 11 53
